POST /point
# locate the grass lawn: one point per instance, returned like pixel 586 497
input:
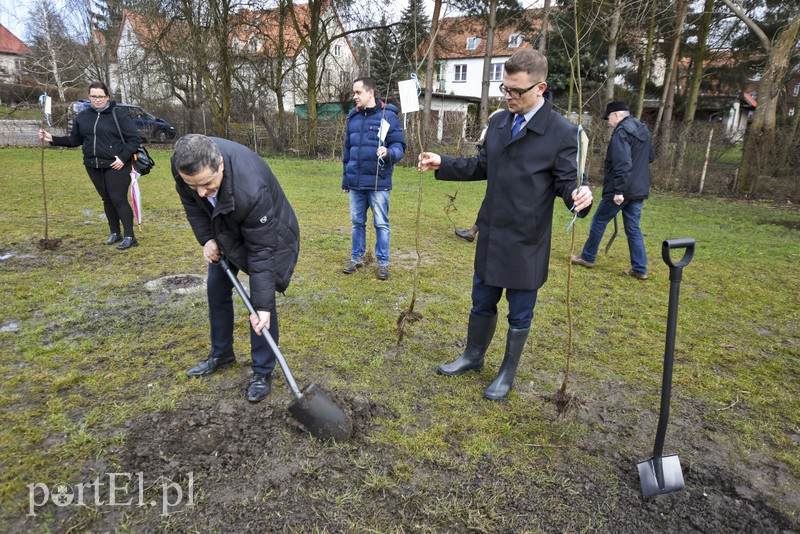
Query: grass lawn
pixel 87 353
pixel 34 113
pixel 732 156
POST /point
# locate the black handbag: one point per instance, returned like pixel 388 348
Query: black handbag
pixel 142 162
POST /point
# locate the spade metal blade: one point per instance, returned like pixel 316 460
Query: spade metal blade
pixel 660 475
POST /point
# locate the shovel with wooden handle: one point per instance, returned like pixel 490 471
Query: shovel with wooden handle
pixel 312 407
pixel 662 474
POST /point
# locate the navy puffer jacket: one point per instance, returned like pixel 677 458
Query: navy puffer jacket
pixel 627 164
pixel 361 142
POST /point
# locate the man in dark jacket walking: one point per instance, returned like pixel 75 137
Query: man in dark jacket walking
pixel 626 184
pixel 373 143
pixel 237 209
pixel 528 159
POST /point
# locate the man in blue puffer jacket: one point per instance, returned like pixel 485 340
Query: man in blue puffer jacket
pixel 373 143
pixel 626 185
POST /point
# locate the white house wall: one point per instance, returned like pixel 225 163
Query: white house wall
pixel 136 76
pixel 10 67
pixel 472 86
pixel 134 83
pixel 334 73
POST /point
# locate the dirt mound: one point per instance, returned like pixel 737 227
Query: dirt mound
pixel 253 468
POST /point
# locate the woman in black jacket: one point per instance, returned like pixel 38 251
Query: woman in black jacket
pixel 107 157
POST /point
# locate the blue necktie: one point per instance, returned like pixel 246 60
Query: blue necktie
pixel 517 125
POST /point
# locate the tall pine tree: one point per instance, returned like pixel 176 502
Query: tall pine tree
pixel 412 30
pixel 383 62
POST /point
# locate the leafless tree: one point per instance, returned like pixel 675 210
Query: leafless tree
pixel 430 67
pixel 663 127
pixel 58 59
pixel 761 136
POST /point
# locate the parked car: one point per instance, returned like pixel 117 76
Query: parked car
pixel 150 127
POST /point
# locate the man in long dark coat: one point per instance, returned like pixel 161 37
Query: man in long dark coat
pixel 529 158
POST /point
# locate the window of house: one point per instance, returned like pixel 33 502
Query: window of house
pixel 472 42
pixel 515 40
pixel 461 73
pixel 337 50
pixel 791 109
pixel 496 72
pixel 796 89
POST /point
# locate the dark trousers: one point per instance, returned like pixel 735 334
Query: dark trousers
pixel 112 185
pixel 520 303
pixel 220 315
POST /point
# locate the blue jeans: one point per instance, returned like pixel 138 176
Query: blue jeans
pixel 520 303
pixel 631 213
pixel 220 314
pixel 378 202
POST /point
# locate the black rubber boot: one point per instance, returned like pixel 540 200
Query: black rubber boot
pixel 479 336
pixel 515 342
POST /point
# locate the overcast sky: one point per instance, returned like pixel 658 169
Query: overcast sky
pixel 13 13
pixel 10 20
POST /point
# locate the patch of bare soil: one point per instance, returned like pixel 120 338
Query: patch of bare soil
pixel 181 284
pixel 49 243
pixel 252 468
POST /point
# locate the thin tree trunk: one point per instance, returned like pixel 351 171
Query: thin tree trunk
pixel 51 51
pixel 694 91
pixel 545 30
pixel 430 67
pixel 664 125
pixel 487 63
pixel 648 58
pixel 616 16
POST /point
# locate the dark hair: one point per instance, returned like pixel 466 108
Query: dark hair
pixel 528 60
pixel 367 82
pixel 99 85
pixel 195 152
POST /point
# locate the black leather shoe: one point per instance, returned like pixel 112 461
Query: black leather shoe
pixel 211 365
pixel 465 234
pixel 260 386
pixel 128 242
pixel 113 238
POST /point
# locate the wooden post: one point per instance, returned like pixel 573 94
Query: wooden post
pixel 705 163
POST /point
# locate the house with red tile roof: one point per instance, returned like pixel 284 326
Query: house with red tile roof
pixel 13 53
pixel 460 51
pixel 150 51
pixel 461 47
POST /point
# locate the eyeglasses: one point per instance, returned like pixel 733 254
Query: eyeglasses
pixel 516 93
pixel 98 97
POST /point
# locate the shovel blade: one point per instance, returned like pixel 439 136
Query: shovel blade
pixel 320 415
pixel 668 480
